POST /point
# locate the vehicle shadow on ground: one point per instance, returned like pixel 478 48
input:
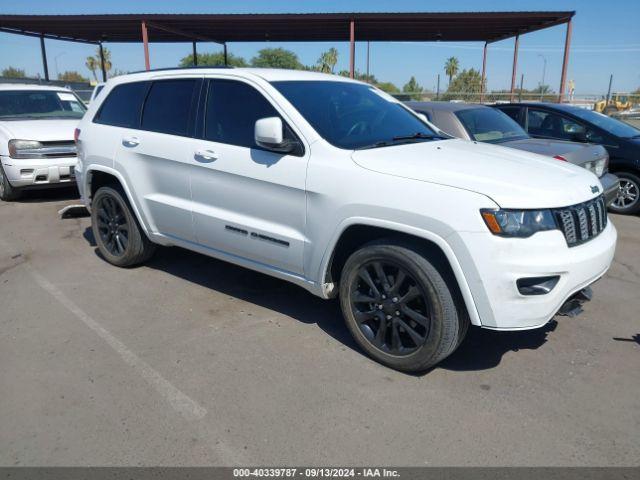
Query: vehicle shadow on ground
pixel 49 195
pixel 481 350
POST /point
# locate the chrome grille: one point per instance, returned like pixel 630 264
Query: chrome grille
pixel 580 223
pixel 52 149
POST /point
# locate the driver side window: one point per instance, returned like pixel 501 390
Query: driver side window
pixel 232 111
pixel 552 125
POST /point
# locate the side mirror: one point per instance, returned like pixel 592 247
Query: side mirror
pixel 268 134
pixel 422 117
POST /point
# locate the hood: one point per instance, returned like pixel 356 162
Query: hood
pixel 574 152
pixel 41 130
pixel 511 178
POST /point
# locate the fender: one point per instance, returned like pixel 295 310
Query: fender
pixel 87 188
pixel 401 228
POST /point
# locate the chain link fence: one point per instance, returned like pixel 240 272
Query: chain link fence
pixel 587 101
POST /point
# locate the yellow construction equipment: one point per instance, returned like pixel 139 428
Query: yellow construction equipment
pixel 619 102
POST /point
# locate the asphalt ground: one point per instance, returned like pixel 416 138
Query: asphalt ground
pixel 191 361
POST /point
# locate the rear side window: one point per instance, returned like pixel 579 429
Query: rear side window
pixel 167 107
pixel 232 111
pixel 122 107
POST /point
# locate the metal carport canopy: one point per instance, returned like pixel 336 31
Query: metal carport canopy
pixel 486 27
pixel 289 27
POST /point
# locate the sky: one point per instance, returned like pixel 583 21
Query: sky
pixel 605 41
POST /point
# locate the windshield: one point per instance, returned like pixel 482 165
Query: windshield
pixel 39 104
pixel 611 125
pixel 486 124
pixel 353 116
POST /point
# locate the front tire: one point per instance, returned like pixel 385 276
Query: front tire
pixel 7 191
pixel 116 230
pixel 628 199
pixel 399 308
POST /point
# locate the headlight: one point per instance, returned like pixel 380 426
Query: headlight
pixel 25 149
pixel 597 166
pixel 518 223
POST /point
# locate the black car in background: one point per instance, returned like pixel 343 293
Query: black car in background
pixel 568 122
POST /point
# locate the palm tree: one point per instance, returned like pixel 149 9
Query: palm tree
pixel 451 67
pixel 328 60
pixel 107 58
pixel 92 65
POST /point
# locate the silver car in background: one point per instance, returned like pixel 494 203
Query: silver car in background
pixel 485 124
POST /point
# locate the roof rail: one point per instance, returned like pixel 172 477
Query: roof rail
pixel 180 68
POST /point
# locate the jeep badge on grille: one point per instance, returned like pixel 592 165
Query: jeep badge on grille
pixel 595 189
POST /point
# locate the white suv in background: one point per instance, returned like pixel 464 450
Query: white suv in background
pixel 37 148
pixel 333 185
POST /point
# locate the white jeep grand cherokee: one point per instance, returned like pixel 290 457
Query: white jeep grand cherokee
pixel 36 137
pixel 333 185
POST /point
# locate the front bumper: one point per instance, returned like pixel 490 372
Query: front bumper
pixel 610 185
pixel 38 173
pixel 492 266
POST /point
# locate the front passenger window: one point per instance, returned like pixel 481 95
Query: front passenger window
pixel 232 111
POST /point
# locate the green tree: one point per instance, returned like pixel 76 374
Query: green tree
pixel 413 88
pixel 363 77
pixel 451 68
pixel 542 89
pixel 371 79
pixel 466 86
pixel 327 61
pixel 388 87
pixel 276 58
pixel 72 76
pixel 213 59
pixel 12 72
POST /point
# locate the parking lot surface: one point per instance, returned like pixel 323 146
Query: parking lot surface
pixel 191 361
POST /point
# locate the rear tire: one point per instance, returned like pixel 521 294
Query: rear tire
pixel 7 191
pixel 408 335
pixel 120 239
pixel 628 200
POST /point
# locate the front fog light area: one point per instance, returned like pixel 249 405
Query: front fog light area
pixel 518 223
pixel 537 285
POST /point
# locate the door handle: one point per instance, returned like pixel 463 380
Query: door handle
pixel 205 155
pixel 130 142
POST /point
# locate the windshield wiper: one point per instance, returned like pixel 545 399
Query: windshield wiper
pixel 416 136
pixel 382 143
pixel 402 138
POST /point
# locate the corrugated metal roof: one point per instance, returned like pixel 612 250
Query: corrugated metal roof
pixel 378 26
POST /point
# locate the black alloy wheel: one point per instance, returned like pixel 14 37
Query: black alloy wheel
pixel 390 307
pixel 401 305
pixel 119 236
pixel 112 225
